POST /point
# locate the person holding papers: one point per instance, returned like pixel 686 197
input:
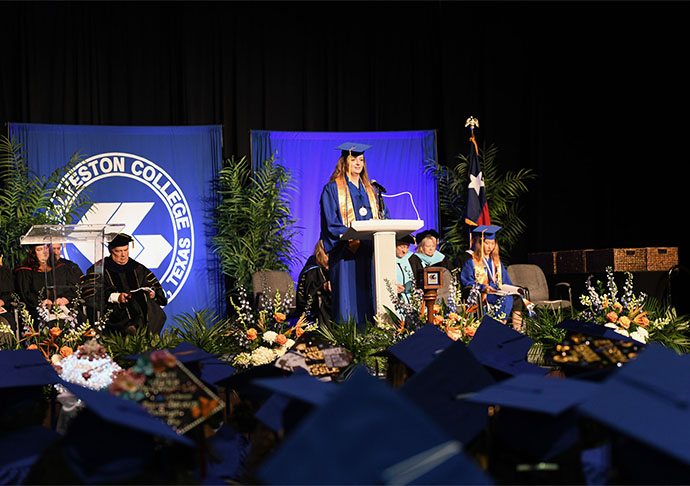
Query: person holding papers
pixel 486 270
pixel 349 196
pixel 130 290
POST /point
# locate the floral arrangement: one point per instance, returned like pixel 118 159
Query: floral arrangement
pixel 266 335
pixel 624 314
pixel 57 332
pixel 89 366
pixel 454 317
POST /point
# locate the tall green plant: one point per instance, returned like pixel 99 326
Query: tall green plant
pixel 27 199
pixel 504 191
pixel 255 228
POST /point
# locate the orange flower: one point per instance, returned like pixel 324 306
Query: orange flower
pixel 470 331
pixel 281 339
pixel 438 319
pixel 454 333
pixel 624 322
pixel 642 320
pixel 65 351
pixel 612 316
pixel 299 331
pixel 618 306
pixel 55 331
pixel 32 346
pixel 90 333
pixel 251 334
pixel 279 316
pixel 453 316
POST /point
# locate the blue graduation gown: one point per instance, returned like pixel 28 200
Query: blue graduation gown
pixel 468 279
pixel 351 275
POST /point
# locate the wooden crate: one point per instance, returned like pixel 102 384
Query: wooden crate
pixel 660 259
pixel 619 259
pixel 545 260
pixel 571 261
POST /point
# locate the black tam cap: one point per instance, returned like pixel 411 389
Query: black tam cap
pixel 120 239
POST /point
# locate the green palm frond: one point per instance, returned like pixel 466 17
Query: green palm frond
pixel 202 329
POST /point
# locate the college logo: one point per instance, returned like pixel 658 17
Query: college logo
pixel 133 191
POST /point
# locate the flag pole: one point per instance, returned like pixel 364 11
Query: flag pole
pixel 472 122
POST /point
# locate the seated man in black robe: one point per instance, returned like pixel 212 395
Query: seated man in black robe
pixel 130 291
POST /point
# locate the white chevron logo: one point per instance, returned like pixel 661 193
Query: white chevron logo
pixel 149 250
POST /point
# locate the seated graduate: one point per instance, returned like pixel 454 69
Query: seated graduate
pixel 427 254
pixel 314 288
pixel 404 275
pixel 349 196
pixel 130 291
pixel 486 270
pixel 6 291
pixel 37 283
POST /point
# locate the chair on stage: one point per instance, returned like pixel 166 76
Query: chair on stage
pixel 265 283
pixel 532 279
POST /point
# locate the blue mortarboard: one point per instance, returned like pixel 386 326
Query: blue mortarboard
pixel 419 349
pixel 227 450
pixel 648 400
pixel 488 231
pixel 367 434
pixel 242 381
pixel 593 329
pixel 439 390
pixel 353 148
pixel 293 397
pixel 25 368
pixel 20 449
pixel 502 348
pixel 537 418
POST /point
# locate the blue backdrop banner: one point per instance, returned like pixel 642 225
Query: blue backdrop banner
pixel 158 182
pixel 396 160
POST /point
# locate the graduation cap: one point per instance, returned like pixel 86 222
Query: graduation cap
pixel 487 231
pixel 294 396
pixel 121 239
pixel 20 449
pixel 419 349
pixel 647 401
pixel 352 148
pixel 502 349
pixel 440 390
pixel 227 450
pixel 365 433
pixel 25 368
pixel 536 422
pixel 593 329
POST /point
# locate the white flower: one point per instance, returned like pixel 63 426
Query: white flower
pixel 242 359
pixel 623 332
pixel 262 355
pixel 290 343
pixel 270 337
pixel 640 335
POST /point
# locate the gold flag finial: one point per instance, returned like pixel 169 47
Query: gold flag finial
pixel 472 122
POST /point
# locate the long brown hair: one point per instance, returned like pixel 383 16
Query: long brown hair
pixel 341 170
pixel 31 260
pixel 320 254
pixel 478 250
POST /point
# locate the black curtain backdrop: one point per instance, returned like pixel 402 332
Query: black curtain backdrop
pixel 593 96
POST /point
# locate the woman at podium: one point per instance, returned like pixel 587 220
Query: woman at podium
pixel 349 196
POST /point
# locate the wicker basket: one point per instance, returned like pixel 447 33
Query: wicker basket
pixel 619 259
pixel 571 261
pixel 660 259
pixel 544 260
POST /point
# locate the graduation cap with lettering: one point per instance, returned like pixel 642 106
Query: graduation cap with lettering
pixel 353 148
pixel 536 421
pixel 647 403
pixel 440 390
pixel 502 349
pixel 365 433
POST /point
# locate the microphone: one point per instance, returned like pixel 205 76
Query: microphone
pixel 378 186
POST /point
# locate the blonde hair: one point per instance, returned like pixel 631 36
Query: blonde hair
pixel 342 170
pixel 320 254
pixel 421 243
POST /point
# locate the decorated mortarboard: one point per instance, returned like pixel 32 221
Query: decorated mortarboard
pixel 353 148
pixel 121 239
pixel 648 400
pixel 392 441
pixel 487 231
pixel 25 368
pixel 440 390
pixel 503 349
pixel 20 449
pixel 539 407
pixel 419 349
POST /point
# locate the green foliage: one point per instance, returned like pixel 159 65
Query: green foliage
pixel 667 327
pixel 27 199
pixel 503 193
pixel 118 346
pixel 253 221
pixel 204 330
pixel 542 327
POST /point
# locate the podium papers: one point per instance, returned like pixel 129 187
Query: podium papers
pixel 384 232
pixel 89 238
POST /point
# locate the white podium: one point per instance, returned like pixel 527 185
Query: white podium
pixel 384 232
